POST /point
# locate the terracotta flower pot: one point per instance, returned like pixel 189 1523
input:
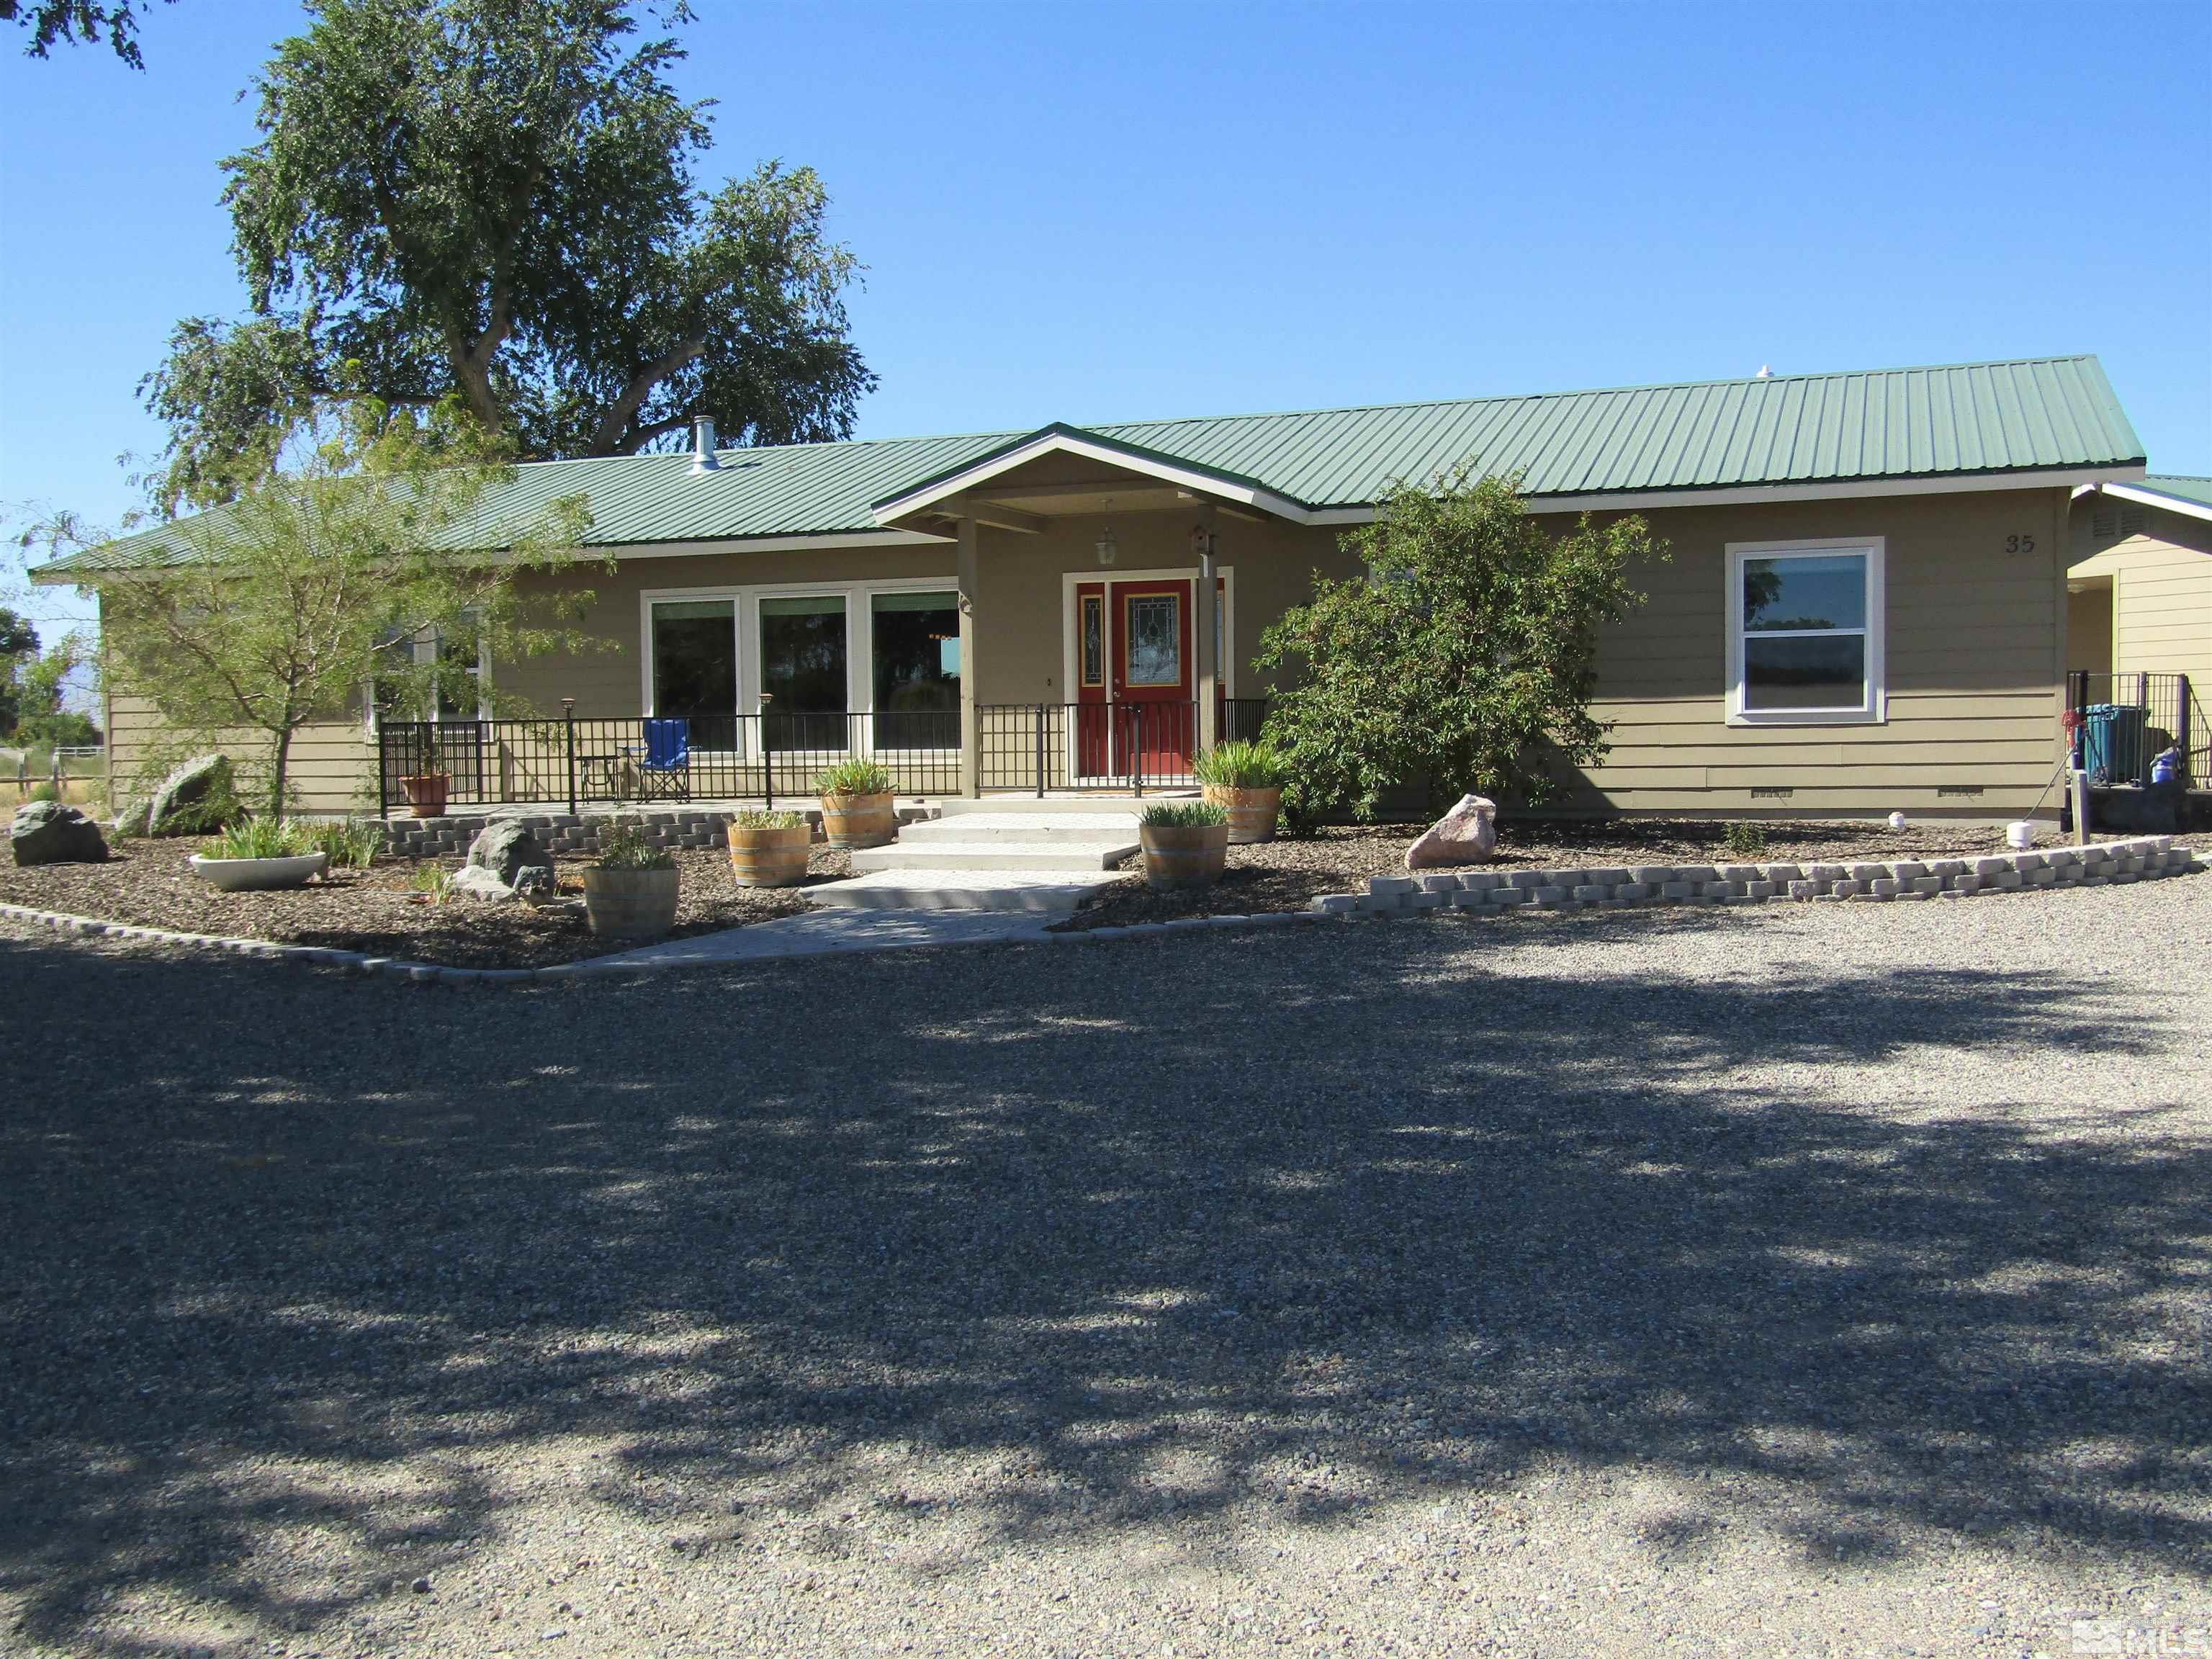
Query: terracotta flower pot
pixel 630 903
pixel 1252 812
pixel 1175 856
pixel 770 858
pixel 854 821
pixel 426 794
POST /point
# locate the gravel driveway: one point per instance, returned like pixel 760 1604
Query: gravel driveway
pixel 1791 1281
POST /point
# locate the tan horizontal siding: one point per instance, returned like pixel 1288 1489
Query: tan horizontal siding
pixel 329 765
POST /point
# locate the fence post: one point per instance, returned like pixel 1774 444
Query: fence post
pixel 568 727
pixel 1040 751
pixel 2181 725
pixel 383 789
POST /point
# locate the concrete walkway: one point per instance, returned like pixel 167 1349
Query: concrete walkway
pixel 820 932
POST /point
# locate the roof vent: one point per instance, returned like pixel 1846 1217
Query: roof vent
pixel 702 445
pixel 1765 373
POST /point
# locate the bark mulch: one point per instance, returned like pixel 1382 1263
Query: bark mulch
pixel 1290 873
pixel 147 884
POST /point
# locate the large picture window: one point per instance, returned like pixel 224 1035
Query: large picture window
pixel 1805 634
pixel 695 668
pixel 803 672
pixel 916 645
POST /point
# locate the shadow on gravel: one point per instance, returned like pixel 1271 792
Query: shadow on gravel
pixel 1304 1220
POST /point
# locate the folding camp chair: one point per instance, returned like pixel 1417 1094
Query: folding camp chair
pixel 664 771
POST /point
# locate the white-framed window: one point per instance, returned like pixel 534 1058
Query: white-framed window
pixel 380 698
pixel 809 656
pixel 1805 632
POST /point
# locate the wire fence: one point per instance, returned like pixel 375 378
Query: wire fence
pixel 71 772
pixel 2122 723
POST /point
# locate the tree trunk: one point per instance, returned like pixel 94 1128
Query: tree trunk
pixel 277 775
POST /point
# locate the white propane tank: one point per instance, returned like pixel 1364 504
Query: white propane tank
pixel 1897 820
pixel 2020 837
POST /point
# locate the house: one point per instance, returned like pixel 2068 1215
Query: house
pixel 1866 606
pixel 2139 611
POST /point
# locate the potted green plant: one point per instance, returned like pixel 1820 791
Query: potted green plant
pixel 856 803
pixel 630 889
pixel 426 793
pixel 256 854
pixel 769 849
pixel 1245 779
pixel 1186 843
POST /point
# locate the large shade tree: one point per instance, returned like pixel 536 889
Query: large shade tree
pixel 498 200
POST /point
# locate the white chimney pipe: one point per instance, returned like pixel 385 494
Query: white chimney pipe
pixel 702 445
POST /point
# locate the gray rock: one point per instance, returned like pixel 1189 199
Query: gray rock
pixel 130 820
pixel 535 879
pixel 474 881
pixel 193 800
pixel 505 848
pixel 1465 834
pixel 47 832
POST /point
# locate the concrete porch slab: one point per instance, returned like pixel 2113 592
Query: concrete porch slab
pixel 1037 892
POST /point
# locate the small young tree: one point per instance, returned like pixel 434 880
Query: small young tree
pixel 1464 656
pixel 277 610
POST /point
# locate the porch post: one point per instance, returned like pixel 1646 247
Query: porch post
pixel 971 733
pixel 1205 612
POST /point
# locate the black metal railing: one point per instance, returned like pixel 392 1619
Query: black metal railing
pixel 1041 746
pixel 579 759
pixel 2121 723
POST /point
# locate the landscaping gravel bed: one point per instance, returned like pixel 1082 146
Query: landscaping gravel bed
pixel 1804 1281
pixel 378 911
pixel 1290 872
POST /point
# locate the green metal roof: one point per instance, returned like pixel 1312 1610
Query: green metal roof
pixel 1987 419
pixel 2197 492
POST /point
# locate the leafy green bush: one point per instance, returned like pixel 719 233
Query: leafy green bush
pixel 854 776
pixel 623 847
pixel 1183 815
pixel 1747 839
pixel 754 819
pixel 349 844
pixel 45 792
pixel 1240 763
pixel 1464 655
pixel 259 838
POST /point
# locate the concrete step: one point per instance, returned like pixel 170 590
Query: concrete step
pixel 1024 826
pixel 1049 892
pixel 1084 854
pixel 962 807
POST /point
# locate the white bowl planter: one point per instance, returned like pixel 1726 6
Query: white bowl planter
pixel 251 875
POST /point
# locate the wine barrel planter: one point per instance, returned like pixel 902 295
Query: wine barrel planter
pixel 770 858
pixel 426 794
pixel 629 904
pixel 1252 812
pixel 1175 856
pixel 857 821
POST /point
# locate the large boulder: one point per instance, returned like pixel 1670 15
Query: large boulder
pixel 47 832
pixel 506 848
pixel 1465 834
pixel 193 799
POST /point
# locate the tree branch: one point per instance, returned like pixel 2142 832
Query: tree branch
pixel 607 438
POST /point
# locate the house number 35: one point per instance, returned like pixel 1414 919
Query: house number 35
pixel 2020 544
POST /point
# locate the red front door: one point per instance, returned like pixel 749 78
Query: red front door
pixel 1151 667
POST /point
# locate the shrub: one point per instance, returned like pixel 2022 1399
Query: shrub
pixel 1183 815
pixel 259 838
pixel 854 776
pixel 350 845
pixel 1464 656
pixel 624 847
pixel 1747 839
pixel 433 880
pixel 1240 763
pixel 45 792
pixel 754 819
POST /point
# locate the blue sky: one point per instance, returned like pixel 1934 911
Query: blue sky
pixel 1098 212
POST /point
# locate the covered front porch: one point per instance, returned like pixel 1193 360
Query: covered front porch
pixel 1060 614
